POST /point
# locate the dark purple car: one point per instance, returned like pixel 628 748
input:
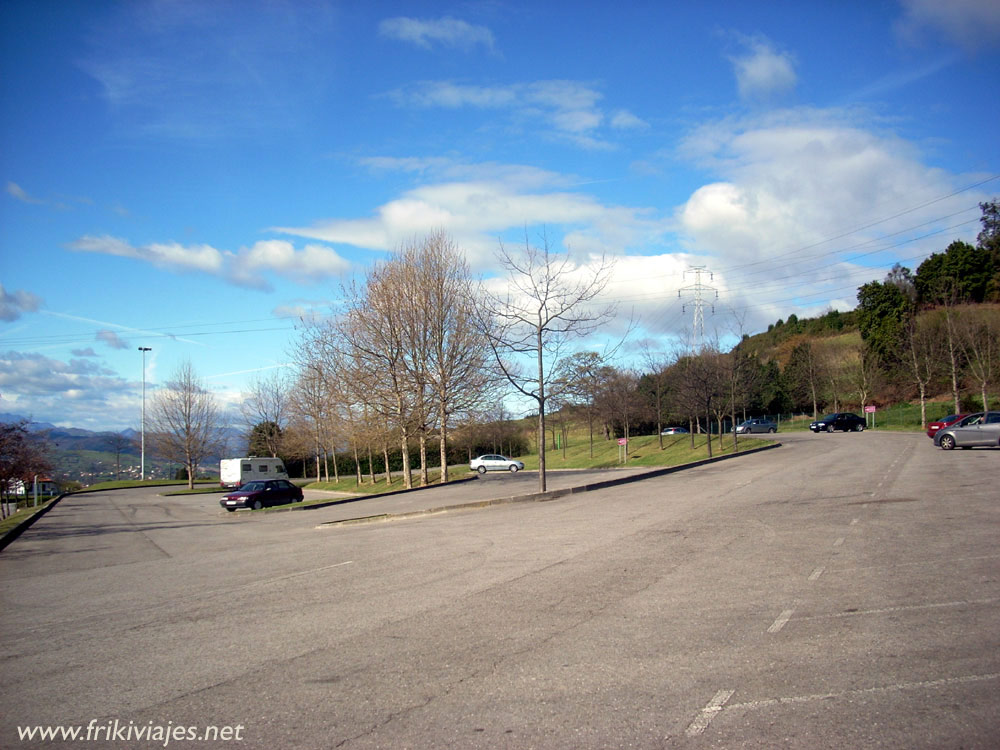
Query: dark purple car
pixel 261 494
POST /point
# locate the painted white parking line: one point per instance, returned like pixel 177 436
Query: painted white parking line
pixel 924 684
pixel 816 573
pixel 839 542
pixel 297 574
pixel 854 521
pixel 903 608
pixel 704 718
pixel 778 624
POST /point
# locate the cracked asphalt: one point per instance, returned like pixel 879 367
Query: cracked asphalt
pixel 840 591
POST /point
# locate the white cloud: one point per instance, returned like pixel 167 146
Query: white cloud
pixel 447 32
pixel 569 111
pixel 112 339
pixel 762 72
pixel 476 212
pixel 16 191
pixel 969 23
pixel 254 266
pixel 281 257
pixel 625 120
pixel 14 304
pixel 808 203
pixel 170 255
pixel 79 392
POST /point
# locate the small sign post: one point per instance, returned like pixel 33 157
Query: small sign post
pixel 622 450
pixel 870 410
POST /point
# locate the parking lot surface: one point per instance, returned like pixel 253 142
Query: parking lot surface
pixel 840 591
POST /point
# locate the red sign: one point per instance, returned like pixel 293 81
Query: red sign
pixel 622 441
pixel 870 410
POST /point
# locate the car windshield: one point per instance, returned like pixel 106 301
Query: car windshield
pixel 829 418
pixel 252 487
pixel 949 418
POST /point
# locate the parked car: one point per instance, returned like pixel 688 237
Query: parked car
pixel 482 464
pixel 674 431
pixel 981 429
pixel 842 420
pixel 758 424
pixel 933 427
pixel 261 494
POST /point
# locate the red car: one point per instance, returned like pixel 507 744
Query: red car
pixel 261 494
pixel 948 421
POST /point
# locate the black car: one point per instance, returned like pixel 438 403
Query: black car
pixel 260 494
pixel 841 420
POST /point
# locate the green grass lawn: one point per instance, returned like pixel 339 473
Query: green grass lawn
pixel 349 483
pixel 22 514
pixel 643 450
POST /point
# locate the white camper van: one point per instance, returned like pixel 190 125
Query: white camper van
pixel 234 472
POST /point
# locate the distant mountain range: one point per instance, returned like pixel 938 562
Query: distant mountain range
pixel 89 456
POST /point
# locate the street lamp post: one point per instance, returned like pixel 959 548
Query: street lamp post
pixel 142 470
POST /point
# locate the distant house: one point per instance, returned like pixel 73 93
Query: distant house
pixel 20 488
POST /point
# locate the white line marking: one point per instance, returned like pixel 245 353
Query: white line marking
pixel 816 573
pixel 838 542
pixel 865 691
pixel 854 521
pixel 778 624
pixel 704 718
pixel 296 575
pixel 906 608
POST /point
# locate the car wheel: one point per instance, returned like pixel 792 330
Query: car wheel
pixel 772 430
pixel 513 469
pixel 481 469
pixel 948 442
pixel 258 504
pixel 859 428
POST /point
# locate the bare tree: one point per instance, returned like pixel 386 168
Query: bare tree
pixel 457 356
pixel 118 443
pixel 699 381
pixel 867 374
pixel 924 345
pixel 549 302
pixel 184 421
pixel 979 339
pixel 620 399
pixel 265 409
pixel 657 364
pixel 582 379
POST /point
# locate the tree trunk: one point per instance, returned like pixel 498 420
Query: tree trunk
pixel 541 416
pixel 443 442
pixel 423 457
pixel 385 456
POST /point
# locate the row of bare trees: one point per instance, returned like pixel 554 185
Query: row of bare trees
pixel 398 362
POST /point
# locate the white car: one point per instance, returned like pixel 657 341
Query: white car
pixel 495 463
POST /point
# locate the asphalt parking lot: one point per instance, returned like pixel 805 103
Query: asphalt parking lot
pixel 841 591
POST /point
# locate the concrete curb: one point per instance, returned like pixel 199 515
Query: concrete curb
pixel 24 525
pixel 541 497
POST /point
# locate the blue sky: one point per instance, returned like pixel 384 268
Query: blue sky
pixel 193 176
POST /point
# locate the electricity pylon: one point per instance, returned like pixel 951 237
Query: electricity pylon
pixel 699 289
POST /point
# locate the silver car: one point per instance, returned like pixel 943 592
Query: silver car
pixel 982 429
pixel 758 424
pixel 494 462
